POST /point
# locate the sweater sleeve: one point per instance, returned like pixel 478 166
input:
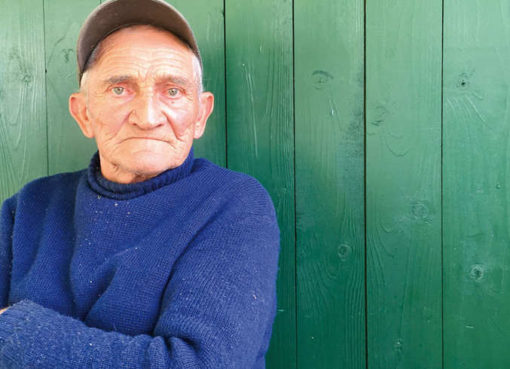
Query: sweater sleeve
pixel 216 322
pixel 6 225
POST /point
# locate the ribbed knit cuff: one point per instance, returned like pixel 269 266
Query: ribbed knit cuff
pixel 15 317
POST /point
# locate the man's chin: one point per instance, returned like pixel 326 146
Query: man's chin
pixel 149 169
pixel 140 163
pixel 151 164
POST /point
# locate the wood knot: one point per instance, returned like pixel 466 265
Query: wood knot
pixel 321 78
pixel 477 272
pixel 344 251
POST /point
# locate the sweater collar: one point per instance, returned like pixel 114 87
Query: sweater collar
pixel 122 191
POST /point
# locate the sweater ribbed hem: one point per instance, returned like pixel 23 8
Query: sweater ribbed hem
pixel 126 191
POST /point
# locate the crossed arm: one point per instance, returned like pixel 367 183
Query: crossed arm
pixel 225 335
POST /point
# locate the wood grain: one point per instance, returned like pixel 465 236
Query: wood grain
pixel 330 183
pixel 260 138
pixel 22 95
pixel 206 17
pixel 403 182
pixel 321 288
pixel 476 184
pixel 68 149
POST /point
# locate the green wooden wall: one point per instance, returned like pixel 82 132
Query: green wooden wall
pixel 381 130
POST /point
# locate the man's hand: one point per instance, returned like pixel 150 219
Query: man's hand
pixel 1 311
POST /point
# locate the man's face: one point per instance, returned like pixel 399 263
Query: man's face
pixel 142 103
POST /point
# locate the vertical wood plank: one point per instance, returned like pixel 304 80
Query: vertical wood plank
pixel 22 95
pixel 260 138
pixel 68 149
pixel 476 184
pixel 330 183
pixel 404 183
pixel 206 17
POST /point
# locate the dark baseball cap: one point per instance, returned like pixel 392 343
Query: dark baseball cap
pixel 116 14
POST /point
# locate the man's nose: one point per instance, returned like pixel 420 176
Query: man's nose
pixel 147 112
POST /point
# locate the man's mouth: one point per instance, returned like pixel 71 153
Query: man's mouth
pixel 145 138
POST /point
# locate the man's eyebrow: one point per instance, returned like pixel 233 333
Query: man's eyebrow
pixel 118 79
pixel 168 78
pixel 164 78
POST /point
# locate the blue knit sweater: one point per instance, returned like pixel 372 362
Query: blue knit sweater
pixel 175 272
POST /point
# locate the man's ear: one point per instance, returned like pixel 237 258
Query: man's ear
pixel 205 109
pixel 78 109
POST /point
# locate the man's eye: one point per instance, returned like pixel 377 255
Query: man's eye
pixel 118 90
pixel 173 92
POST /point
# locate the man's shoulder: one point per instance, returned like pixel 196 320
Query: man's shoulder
pixel 41 191
pixel 236 187
pixel 43 186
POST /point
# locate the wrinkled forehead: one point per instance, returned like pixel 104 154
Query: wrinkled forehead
pixel 137 50
pixel 127 53
pixel 153 39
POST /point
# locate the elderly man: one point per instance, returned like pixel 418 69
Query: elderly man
pixel 150 258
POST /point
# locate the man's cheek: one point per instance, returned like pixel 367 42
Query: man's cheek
pixel 111 120
pixel 107 135
pixel 180 120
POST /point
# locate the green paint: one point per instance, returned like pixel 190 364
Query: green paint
pixel 476 184
pixel 403 183
pixel 68 149
pixel 321 315
pixel 330 184
pixel 206 19
pixel 22 95
pixel 260 134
